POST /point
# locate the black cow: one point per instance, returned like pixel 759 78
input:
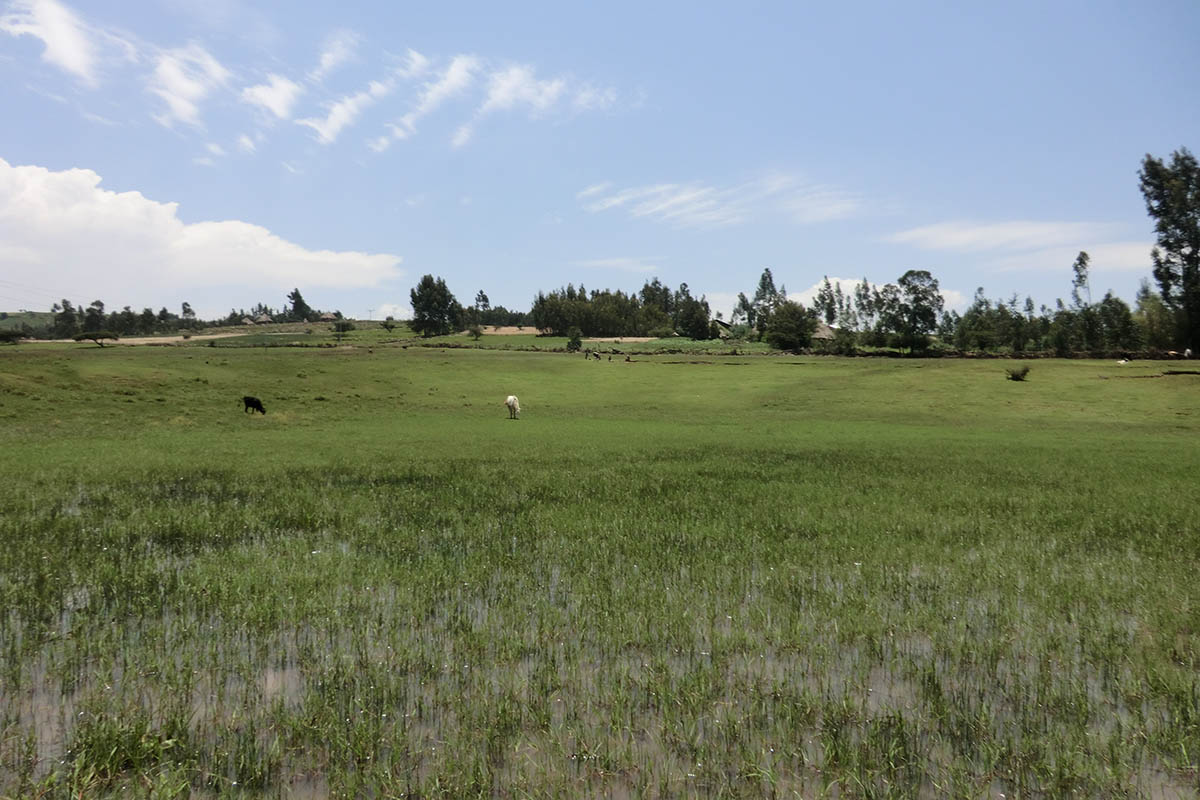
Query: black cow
pixel 253 404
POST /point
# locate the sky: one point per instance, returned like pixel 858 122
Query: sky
pixel 222 153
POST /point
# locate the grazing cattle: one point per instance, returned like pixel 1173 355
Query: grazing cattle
pixel 514 407
pixel 253 404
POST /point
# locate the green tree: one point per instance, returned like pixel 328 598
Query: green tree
pixel 791 326
pixel 298 312
pixel 482 304
pixel 188 315
pixel 66 321
pixel 574 340
pixel 147 322
pixel 341 327
pixel 388 324
pixel 1172 193
pixel 827 302
pixel 1080 281
pixel 1154 320
pixel 435 311
pixel 917 312
pixel 93 317
pixel 99 337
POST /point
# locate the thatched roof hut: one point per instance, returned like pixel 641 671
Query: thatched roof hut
pixel 824 331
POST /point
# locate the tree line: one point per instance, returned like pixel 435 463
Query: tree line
pixel 908 314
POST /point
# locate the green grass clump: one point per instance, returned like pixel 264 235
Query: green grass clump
pixel 709 576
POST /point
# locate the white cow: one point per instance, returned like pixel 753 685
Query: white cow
pixel 514 406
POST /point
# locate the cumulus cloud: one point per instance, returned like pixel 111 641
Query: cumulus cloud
pixel 339 47
pixel 68 43
pixel 277 95
pixel 124 245
pixel 700 205
pixel 182 78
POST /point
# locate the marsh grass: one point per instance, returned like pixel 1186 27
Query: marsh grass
pixel 733 577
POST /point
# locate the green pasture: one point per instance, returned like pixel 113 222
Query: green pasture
pixel 689 575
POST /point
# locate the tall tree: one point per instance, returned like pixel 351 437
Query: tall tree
pixel 482 304
pixel 1080 281
pixel 93 317
pixel 299 312
pixel 917 312
pixel 1172 193
pixel 189 316
pixel 66 323
pixel 826 304
pixel 435 311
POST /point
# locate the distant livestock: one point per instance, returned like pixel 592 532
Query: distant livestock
pixel 253 404
pixel 514 406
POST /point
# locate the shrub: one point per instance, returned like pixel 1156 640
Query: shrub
pixel 1017 373
pixel 575 340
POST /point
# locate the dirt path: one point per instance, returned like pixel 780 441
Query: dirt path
pixel 148 339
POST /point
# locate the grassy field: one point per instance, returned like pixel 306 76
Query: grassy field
pixel 690 575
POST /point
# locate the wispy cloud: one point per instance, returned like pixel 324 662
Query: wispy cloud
pixel 246 144
pixel 339 47
pixel 456 78
pixel 511 88
pixel 1120 256
pixel 700 205
pixel 591 98
pixel 1030 245
pixel 69 44
pixel 1017 235
pixel 624 264
pixel 182 78
pixel 277 95
pixel 345 111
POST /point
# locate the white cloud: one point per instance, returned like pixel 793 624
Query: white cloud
pixel 345 111
pixel 135 250
pixel 456 79
pixel 594 189
pixel 68 43
pixel 590 98
pixel 517 86
pixel 204 161
pixel 277 95
pixel 512 88
pixel 1106 257
pixel 183 77
pixel 246 144
pixel 1033 246
pixel 1018 235
pixel 339 47
pixel 698 205
pixel 624 264
pixel 215 149
pixel 395 310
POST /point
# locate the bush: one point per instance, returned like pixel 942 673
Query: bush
pixel 1018 373
pixel 575 340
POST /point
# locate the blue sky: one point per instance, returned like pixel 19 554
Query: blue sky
pixel 224 152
